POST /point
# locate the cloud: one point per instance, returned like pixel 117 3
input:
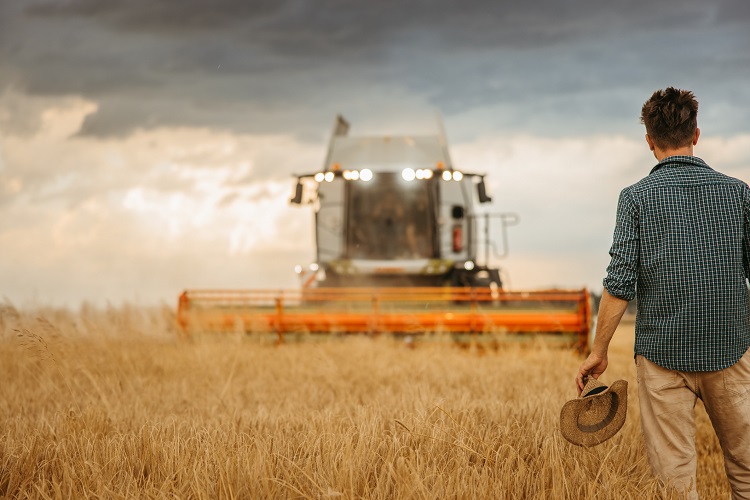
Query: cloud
pixel 140 219
pixel 153 142
pixel 289 66
pixel 143 218
pixel 56 164
pixel 161 15
pixel 565 192
pixel 332 23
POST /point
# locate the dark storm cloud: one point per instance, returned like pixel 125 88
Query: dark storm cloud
pixel 288 66
pixel 161 15
pixel 301 25
pixel 733 11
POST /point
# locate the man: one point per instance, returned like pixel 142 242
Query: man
pixel 682 246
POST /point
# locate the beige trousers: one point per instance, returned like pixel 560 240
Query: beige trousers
pixel 667 402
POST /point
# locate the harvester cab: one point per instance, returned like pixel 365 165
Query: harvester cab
pixel 393 211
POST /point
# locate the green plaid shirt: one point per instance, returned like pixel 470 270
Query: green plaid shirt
pixel 681 245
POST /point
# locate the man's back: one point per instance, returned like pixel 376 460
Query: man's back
pixel 682 237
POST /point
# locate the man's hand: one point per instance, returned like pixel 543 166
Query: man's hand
pixel 611 309
pixel 594 366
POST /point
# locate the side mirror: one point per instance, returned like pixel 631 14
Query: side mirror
pixel 457 212
pixel 482 192
pixel 297 199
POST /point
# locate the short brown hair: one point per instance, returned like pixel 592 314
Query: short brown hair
pixel 671 117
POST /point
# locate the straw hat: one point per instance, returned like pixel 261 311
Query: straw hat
pixel 597 414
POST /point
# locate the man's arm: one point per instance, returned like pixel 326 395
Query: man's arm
pixel 611 310
pixel 746 235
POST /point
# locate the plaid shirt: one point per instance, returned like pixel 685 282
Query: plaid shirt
pixel 681 245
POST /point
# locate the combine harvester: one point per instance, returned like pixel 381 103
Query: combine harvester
pixel 397 242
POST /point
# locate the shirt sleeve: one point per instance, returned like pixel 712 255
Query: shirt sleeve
pixel 622 272
pixel 746 231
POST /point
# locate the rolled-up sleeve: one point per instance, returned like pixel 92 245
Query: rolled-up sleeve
pixel 746 231
pixel 622 272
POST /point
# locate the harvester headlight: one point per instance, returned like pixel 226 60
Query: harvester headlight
pixel 408 174
pixel 446 175
pixel 427 173
pixel 329 176
pixel 420 174
pixel 314 267
pixel 351 175
pixel 320 177
pixel 365 174
pixel 298 269
pixel 469 265
pixel 457 176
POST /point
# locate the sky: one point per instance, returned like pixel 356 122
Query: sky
pixel 149 146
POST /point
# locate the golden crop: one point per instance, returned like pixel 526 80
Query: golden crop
pixel 109 403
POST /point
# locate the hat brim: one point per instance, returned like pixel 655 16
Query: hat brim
pixel 616 399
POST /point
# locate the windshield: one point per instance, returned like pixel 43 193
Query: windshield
pixel 389 218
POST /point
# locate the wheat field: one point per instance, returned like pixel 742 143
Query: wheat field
pixel 109 403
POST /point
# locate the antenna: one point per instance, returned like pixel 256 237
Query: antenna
pixel 443 140
pixel 340 129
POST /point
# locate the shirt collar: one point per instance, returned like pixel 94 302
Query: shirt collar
pixel 680 161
